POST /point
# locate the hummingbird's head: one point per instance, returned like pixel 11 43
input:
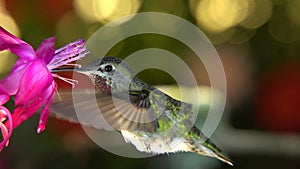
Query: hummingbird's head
pixel 106 67
pixel 110 71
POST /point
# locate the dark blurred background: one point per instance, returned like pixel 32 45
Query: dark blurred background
pixel 258 42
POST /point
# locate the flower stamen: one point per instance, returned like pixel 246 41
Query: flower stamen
pixel 6 131
pixel 67 80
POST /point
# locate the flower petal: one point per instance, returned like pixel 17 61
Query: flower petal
pixel 35 80
pixel 16 45
pixel 4 96
pixel 17 72
pixel 23 111
pixel 46 50
pixel 45 111
pixel 68 53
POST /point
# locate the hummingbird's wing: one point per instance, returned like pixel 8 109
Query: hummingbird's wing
pixel 119 111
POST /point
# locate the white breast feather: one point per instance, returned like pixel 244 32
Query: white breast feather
pixel 156 145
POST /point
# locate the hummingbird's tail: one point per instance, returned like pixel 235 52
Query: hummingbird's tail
pixel 200 144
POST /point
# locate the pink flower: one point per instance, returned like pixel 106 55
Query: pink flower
pixel 31 82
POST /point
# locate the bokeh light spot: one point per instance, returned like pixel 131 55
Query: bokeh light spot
pixel 259 13
pixel 105 11
pixel 219 15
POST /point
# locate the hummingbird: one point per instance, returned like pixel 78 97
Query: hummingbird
pixel 149 119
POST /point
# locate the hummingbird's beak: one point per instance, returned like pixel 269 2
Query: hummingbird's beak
pixel 79 70
pixel 65 70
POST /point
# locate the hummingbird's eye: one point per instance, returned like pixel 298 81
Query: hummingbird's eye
pixel 108 68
